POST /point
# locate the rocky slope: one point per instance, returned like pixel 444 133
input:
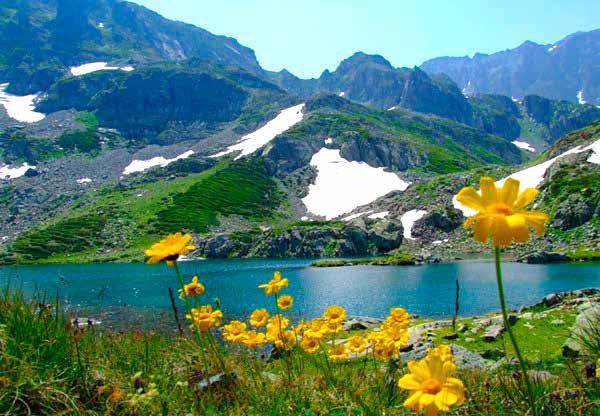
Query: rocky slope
pixel 565 70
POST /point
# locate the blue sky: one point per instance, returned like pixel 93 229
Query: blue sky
pixel 308 36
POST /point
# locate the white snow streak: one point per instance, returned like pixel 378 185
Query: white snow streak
pixel 358 214
pixel 257 139
pixel 534 175
pixel 408 219
pixel 580 97
pixel 552 48
pixel 379 215
pixel 142 165
pixel 523 145
pixel 342 94
pixel 328 140
pixel 84 180
pixel 8 172
pixel 342 185
pixel 20 107
pixel 97 66
pixel 391 108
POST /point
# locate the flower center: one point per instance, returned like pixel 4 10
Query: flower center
pixel 431 386
pixel 501 209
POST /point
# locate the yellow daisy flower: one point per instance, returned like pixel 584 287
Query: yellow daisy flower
pixel 234 331
pixel 443 351
pixel 501 212
pixel 169 249
pixel 194 288
pixel 334 314
pixel 432 389
pixel 310 345
pixel 338 352
pixel 357 344
pixel 259 317
pixel 398 316
pixel 315 329
pixel 274 285
pixel 285 302
pixel 253 339
pixel 205 318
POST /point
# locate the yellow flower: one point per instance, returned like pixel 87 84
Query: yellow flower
pixel 282 339
pixel 357 344
pixel 332 327
pixel 334 314
pixel 501 212
pixel 432 388
pixel 259 317
pixel 194 288
pixel 315 329
pixel 285 302
pixel 274 285
pixel 598 368
pixel 396 334
pixel 398 316
pixel 169 249
pixel 384 348
pixel 277 322
pixel 310 345
pixel 205 318
pixel 300 328
pixel 338 352
pixel 443 351
pixel 234 331
pixel 253 339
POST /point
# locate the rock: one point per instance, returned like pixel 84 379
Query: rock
pixel 465 358
pixel 541 376
pixel 585 324
pixel 82 323
pixel 557 322
pixel 492 332
pixel 469 339
pixel 493 354
pixel 552 299
pixel 542 257
pixel 219 380
pixel 354 323
pixel 527 315
pixel 528 325
pixel 462 327
pixel 574 211
pixel 451 336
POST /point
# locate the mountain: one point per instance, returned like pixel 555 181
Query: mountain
pixel 566 70
pixel 373 81
pixel 41 39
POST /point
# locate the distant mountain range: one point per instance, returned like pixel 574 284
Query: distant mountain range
pixel 566 70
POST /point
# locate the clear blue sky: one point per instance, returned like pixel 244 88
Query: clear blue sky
pixel 307 36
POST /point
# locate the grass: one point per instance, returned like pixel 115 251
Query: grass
pixel 397 259
pixel 48 366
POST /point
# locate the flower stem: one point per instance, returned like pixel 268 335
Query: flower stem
pixel 513 340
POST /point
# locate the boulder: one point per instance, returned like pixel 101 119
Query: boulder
pixel 354 323
pixel 492 332
pixel 542 257
pixel 573 212
pixel 585 324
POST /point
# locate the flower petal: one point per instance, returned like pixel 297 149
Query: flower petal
pixel 536 220
pixel 510 191
pixel 470 198
pixel 426 399
pixel 413 400
pixel 420 370
pixel 488 190
pixel 481 229
pixel 501 231
pixel 409 382
pixel 525 198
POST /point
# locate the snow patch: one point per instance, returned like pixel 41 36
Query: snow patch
pixel 523 145
pixel 328 140
pixel 257 139
pixel 359 214
pixel 391 108
pixel 101 25
pixel 580 97
pixel 342 185
pixel 408 219
pixel 8 172
pixel 552 48
pixel 20 107
pixel 305 218
pixel 96 66
pixel 342 94
pixel 142 165
pixel 533 176
pixel 84 180
pixel 379 215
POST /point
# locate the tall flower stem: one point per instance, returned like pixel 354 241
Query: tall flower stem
pixel 513 340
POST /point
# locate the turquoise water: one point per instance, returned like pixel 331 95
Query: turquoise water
pixel 363 290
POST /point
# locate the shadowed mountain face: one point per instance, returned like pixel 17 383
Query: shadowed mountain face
pixel 372 80
pixel 40 39
pixel 567 70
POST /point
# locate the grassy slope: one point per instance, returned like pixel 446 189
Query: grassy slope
pixel 131 219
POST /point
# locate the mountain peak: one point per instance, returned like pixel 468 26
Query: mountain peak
pixel 364 59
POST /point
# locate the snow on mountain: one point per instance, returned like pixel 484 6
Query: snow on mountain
pixel 580 97
pixel 523 145
pixel 142 165
pixel 408 219
pixel 257 139
pixel 20 107
pixel 379 215
pixel 8 172
pixel 96 66
pixel 533 176
pixel 342 185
